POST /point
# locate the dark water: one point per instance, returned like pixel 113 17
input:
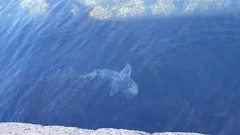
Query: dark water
pixel 187 69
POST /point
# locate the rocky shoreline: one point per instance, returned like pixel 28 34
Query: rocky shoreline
pixel 33 129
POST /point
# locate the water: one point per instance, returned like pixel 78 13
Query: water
pixel 186 68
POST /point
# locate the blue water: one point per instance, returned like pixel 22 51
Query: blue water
pixel 187 69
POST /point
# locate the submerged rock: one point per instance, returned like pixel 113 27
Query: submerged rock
pixel 163 7
pixel 35 6
pixel 105 9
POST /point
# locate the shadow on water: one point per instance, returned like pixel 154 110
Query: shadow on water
pixel 186 68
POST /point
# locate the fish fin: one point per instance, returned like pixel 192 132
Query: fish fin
pixel 126 71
